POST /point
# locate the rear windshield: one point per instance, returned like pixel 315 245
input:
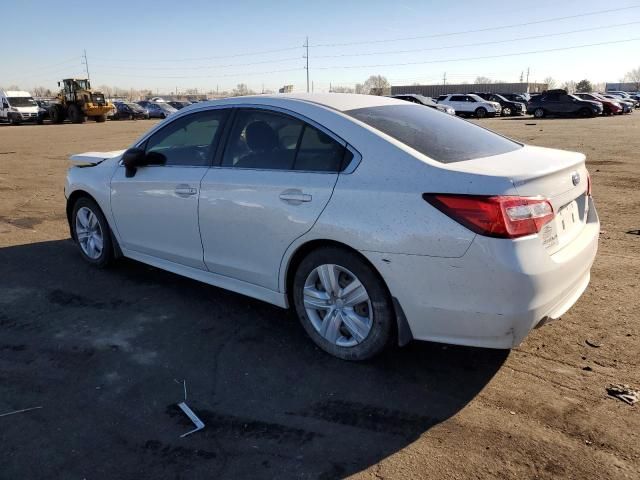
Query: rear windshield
pixel 437 135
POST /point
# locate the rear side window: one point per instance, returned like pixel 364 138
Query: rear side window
pixel 267 140
pixel 442 137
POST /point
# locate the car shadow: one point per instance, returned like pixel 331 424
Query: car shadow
pixel 105 352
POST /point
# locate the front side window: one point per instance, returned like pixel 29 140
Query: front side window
pixel 458 98
pixel 273 141
pixel 444 138
pixel 190 140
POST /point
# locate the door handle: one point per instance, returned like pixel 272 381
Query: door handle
pixel 185 191
pixel 295 197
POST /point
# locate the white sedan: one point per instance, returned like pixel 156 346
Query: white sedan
pixel 378 220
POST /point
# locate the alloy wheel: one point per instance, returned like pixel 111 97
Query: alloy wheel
pixel 338 305
pixel 89 233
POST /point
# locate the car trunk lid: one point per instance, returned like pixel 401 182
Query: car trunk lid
pixel 559 176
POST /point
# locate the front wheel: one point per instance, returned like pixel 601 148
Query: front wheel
pixel 585 112
pixel 343 304
pixel 91 232
pixel 538 113
pixel 481 112
pixel 506 111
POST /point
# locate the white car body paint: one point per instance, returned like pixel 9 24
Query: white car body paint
pixel 453 285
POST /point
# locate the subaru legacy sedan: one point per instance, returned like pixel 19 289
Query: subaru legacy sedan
pixel 377 220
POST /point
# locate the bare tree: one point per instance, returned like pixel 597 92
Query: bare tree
pixel 634 77
pixel 241 89
pixel 13 87
pixel 339 89
pixel 569 86
pixel 551 82
pixel 482 80
pixel 376 85
pixel 359 88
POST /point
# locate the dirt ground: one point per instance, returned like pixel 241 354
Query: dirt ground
pixel 99 351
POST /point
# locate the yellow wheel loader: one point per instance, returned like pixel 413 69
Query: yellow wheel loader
pixel 77 102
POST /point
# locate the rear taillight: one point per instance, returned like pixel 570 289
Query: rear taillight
pixel 495 216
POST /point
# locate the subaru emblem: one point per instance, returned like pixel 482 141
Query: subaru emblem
pixel 575 178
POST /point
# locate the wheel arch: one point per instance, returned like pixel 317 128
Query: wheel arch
pixel 402 332
pixel 71 201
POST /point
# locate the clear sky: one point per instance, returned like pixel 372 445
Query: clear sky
pixel 207 44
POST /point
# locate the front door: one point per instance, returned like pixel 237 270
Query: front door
pixel 156 211
pixel 275 178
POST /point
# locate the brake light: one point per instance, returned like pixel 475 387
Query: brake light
pixel 495 216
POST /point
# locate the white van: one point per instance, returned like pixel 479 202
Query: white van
pixel 18 107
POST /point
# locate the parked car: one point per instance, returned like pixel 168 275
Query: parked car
pixel 17 106
pixel 517 97
pixel 178 104
pixel 508 107
pixel 130 111
pixel 609 106
pixel 470 104
pixel 625 97
pixel 43 108
pixel 372 217
pixel 559 102
pixel 627 106
pixel 426 101
pixel 158 110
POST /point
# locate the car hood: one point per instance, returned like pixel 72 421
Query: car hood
pixel 93 158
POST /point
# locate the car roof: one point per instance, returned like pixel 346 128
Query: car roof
pixel 336 101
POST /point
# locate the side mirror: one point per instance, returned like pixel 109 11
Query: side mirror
pixel 136 157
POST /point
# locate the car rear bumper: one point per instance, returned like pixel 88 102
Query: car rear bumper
pixel 493 295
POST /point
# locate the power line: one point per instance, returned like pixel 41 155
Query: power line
pixel 204 76
pixel 481 57
pixel 207 67
pixel 216 57
pixel 476 44
pixel 478 30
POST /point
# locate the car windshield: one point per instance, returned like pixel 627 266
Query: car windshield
pixel 166 107
pixel 442 137
pixel 499 97
pixel 476 97
pixel 22 102
pixel 133 106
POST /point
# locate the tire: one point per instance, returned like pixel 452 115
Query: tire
pixel 481 112
pixel 585 112
pixel 88 225
pixel 57 115
pixel 366 327
pixel 14 121
pixel 100 118
pixel 40 121
pixel 75 114
pixel 507 112
pixel 539 113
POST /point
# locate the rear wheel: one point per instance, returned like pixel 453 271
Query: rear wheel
pixel 539 113
pixel 343 304
pixel 100 118
pixel 481 112
pixel 91 232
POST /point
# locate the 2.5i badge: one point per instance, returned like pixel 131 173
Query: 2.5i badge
pixel 549 235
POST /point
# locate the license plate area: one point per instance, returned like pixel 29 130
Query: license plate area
pixel 566 225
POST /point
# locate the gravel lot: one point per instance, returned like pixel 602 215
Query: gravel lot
pixel 99 351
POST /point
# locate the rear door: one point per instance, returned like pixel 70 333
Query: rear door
pixel 275 177
pixel 459 103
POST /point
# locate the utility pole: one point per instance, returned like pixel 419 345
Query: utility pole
pixel 329 87
pixel 444 78
pixel 86 63
pixel 521 76
pixel 306 56
pixel 527 75
pixel 312 88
